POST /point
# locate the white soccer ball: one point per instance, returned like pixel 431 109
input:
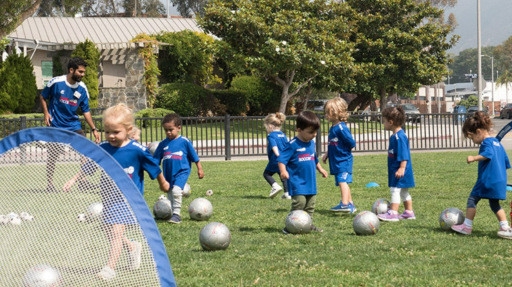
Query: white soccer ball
pixel 26 217
pixel 451 216
pixel 42 275
pixel 298 222
pixel 81 217
pixel 11 215
pixel 209 192
pixel 4 219
pixel 381 206
pixel 200 209
pixel 152 147
pixel 162 209
pixel 215 236
pixel 187 190
pixel 15 221
pixel 94 211
pixel 366 223
pixel 162 197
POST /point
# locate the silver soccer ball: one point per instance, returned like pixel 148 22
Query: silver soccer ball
pixel 209 192
pixel 298 222
pixel 200 209
pixel 162 209
pixel 162 197
pixel 187 190
pixel 381 206
pixel 81 217
pixel 3 219
pixel 94 211
pixel 366 223
pixel 449 217
pixel 215 236
pixel 152 147
pixel 42 275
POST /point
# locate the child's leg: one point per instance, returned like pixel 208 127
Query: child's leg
pixel 310 209
pixel 500 213
pixel 116 244
pixel 395 198
pixel 467 226
pixel 268 177
pixel 346 196
pixel 298 202
pixel 177 194
pixel 276 188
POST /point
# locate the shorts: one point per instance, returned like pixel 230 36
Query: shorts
pixel 343 177
pixel 180 181
pixel 118 213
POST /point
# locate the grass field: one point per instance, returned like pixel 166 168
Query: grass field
pixel 407 253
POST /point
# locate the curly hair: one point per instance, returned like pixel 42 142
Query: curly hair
pixel 121 114
pixel 274 121
pixel 395 114
pixel 479 120
pixel 337 109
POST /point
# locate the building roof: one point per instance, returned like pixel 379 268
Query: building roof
pixel 53 31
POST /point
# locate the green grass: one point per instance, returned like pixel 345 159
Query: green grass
pixel 409 253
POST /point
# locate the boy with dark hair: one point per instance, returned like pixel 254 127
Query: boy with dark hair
pixel 298 163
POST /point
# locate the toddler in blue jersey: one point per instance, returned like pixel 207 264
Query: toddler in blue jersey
pixel 176 155
pixel 339 152
pixel 118 122
pixel 491 181
pixel 298 163
pixel 400 174
pixel 276 141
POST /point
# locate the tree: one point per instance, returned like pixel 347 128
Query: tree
pixel 14 12
pixel 60 8
pixel 93 8
pixel 88 51
pixel 285 41
pixel 466 62
pixel 503 54
pixel 187 7
pixel 397 49
pixel 148 8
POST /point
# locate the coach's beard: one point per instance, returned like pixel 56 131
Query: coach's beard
pixel 76 78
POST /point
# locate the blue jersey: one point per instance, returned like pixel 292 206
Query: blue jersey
pixel 339 150
pixel 300 160
pixel 275 139
pixel 64 100
pixel 492 173
pixel 176 157
pixel 399 151
pixel 134 159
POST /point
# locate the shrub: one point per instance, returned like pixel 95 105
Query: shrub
pixel 88 51
pixel 18 90
pixel 264 97
pixel 151 113
pixel 188 100
pixel 235 101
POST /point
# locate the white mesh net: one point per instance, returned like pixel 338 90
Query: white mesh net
pixel 62 236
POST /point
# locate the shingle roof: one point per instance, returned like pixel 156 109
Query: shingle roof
pixel 100 30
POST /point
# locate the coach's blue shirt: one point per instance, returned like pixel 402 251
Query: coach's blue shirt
pixel 176 157
pixel 339 150
pixel 134 159
pixel 300 160
pixel 399 151
pixel 275 139
pixel 492 173
pixel 64 100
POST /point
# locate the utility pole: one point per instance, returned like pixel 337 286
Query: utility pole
pixel 479 48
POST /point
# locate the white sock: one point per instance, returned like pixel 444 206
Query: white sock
pixel 391 211
pixel 504 224
pixel 468 222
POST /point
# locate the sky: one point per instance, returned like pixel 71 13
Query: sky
pixel 172 10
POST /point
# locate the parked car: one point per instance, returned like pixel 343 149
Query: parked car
pixel 506 112
pixel 461 114
pixel 474 109
pixel 317 105
pixel 411 112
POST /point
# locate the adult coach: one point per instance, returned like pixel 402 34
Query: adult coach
pixel 65 94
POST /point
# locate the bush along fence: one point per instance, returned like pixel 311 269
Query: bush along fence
pixel 230 136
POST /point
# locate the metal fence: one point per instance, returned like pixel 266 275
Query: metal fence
pixel 231 136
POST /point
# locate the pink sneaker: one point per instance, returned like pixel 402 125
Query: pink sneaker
pixel 388 216
pixel 462 228
pixel 407 215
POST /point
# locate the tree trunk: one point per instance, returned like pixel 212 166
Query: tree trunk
pixel 361 101
pixel 307 95
pixel 284 99
pixel 383 100
pixel 24 15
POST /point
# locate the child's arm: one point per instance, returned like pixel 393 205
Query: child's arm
pixel 472 158
pixel 325 157
pixel 321 170
pixel 401 170
pixel 283 171
pixel 200 172
pixel 164 185
pixel 72 181
pixel 276 151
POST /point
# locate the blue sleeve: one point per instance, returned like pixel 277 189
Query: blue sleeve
pixel 402 150
pixel 346 137
pixel 271 142
pixel 507 162
pixel 46 92
pixel 286 154
pixel 84 105
pixel 150 165
pixel 191 153
pixel 486 149
pixel 158 155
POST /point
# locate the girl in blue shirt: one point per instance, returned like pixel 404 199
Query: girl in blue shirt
pixel 276 142
pixel 491 181
pixel 400 174
pixel 339 152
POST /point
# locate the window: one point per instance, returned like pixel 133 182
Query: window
pixel 47 69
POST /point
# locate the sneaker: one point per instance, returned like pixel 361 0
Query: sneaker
pixel 388 216
pixel 275 190
pixel 285 231
pixel 507 233
pixel 286 195
pixel 353 208
pixel 341 208
pixel 407 215
pixel 107 273
pixel 176 219
pixel 317 229
pixel 134 256
pixel 462 228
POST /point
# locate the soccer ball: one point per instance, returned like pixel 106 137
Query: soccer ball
pixel 3 219
pixel 200 209
pixel 451 216
pixel 42 276
pixel 298 222
pixel 186 190
pixel 366 223
pixel 162 209
pixel 15 221
pixel 214 236
pixel 26 217
pixel 94 211
pixel 81 217
pixel 152 147
pixel 161 197
pixel 12 215
pixel 209 192
pixel 381 206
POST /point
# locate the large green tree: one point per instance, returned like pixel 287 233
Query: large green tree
pixel 398 48
pixel 286 41
pixel 14 12
pixel 18 90
pixel 503 61
pixel 466 62
pixel 187 8
pixel 59 8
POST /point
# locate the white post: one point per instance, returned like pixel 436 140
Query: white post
pixel 492 79
pixel 168 1
pixel 479 49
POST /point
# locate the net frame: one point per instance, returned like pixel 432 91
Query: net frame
pixel 112 168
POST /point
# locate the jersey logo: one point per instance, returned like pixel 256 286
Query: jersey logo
pixel 496 143
pixel 165 148
pixel 306 157
pixel 301 149
pixel 280 136
pixel 129 170
pixel 391 153
pixel 62 92
pixel 180 153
